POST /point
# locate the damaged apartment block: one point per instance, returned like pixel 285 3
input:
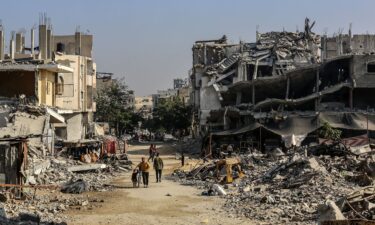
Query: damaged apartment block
pixel 46 95
pixel 58 74
pixel 281 89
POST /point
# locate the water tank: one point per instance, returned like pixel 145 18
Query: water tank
pixel 60 47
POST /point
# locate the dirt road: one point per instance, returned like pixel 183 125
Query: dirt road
pixel 162 203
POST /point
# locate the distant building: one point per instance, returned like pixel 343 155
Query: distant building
pixel 144 106
pixel 163 95
pixel 179 83
pixel 103 81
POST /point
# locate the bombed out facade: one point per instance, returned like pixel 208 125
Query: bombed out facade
pixel 284 86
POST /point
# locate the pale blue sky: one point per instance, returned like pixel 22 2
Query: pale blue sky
pixel 149 42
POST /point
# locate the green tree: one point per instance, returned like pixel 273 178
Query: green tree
pixel 328 132
pixel 170 115
pixel 114 105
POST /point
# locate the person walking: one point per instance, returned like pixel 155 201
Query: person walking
pixel 144 167
pixel 158 166
pixel 149 152
pixel 152 152
pixel 135 178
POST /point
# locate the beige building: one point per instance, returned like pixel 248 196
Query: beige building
pixel 59 73
pixel 183 94
pixel 15 80
pixel 143 105
pixel 76 90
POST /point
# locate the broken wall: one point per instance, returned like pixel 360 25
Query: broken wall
pixel 9 163
pixel 209 101
pixel 69 43
pixel 15 83
pixel 74 125
pixel 24 124
pixel 343 44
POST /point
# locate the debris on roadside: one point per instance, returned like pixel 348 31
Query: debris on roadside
pixel 299 186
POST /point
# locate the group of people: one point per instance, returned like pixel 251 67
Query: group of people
pixel 144 167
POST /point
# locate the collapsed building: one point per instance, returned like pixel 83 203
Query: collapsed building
pixel 46 91
pixel 47 131
pixel 283 87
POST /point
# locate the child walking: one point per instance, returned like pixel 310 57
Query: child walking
pixel 135 178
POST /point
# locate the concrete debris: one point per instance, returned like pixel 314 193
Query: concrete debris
pixel 74 187
pixel 330 211
pixel 219 189
pixel 88 167
pixel 293 188
pixel 358 204
pixel 47 207
pixel 72 176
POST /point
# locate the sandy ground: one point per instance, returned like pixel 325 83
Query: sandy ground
pixel 153 205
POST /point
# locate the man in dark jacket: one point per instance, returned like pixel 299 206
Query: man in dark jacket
pixel 158 166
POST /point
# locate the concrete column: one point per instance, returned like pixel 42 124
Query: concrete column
pixel 205 54
pixel 32 41
pixel 42 42
pixel 23 44
pixel 238 97
pixel 49 43
pixel 2 44
pixel 351 98
pixel 317 89
pixel 253 94
pixel 11 48
pixel 78 38
pixel 19 42
pixel 287 88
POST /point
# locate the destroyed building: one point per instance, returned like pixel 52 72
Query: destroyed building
pixel 59 73
pixel 181 90
pixel 283 87
pixel 162 96
pixel 143 106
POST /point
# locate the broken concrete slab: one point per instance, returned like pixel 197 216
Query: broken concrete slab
pixel 329 211
pixel 87 167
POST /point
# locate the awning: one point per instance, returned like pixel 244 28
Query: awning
pixel 57 68
pixel 299 125
pixel 55 117
pixel 349 120
pixel 237 131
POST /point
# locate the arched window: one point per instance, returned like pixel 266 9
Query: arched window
pixel 60 85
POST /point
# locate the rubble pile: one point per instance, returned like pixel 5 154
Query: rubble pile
pixel 56 171
pixel 294 46
pixel 63 175
pixel 23 120
pixel 359 204
pixel 46 208
pixel 189 145
pixel 290 188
